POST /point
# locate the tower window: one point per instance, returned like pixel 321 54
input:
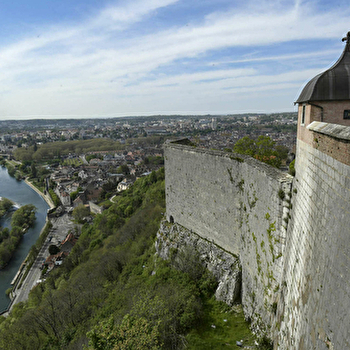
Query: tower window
pixel 347 114
pixel 303 115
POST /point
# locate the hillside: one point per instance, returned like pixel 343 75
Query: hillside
pixel 112 292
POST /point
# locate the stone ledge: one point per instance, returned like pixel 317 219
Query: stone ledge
pixel 336 131
pixel 271 171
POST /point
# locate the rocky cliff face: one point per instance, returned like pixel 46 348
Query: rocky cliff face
pixel 225 267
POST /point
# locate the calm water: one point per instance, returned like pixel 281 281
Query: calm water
pixel 21 194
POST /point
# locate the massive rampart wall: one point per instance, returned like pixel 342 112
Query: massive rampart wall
pixel 314 312
pixel 292 236
pixel 240 204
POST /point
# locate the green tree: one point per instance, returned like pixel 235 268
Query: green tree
pixel 153 177
pixel 123 169
pixel 54 198
pixel 53 249
pixel 282 151
pixel 263 149
pixel 132 333
pixel 80 212
pixel 5 206
pixel 24 217
pixel 245 145
pixel 11 170
pixel 74 194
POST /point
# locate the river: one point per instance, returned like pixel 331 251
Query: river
pixel 21 194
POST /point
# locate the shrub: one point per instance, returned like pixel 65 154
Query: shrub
pixel 292 168
pixel 281 194
pixel 53 249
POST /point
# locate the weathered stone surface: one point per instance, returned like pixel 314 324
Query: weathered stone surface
pixel 224 266
pixel 334 130
pixel 292 238
pixel 243 206
pixel 316 292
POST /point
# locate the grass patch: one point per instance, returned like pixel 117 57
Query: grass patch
pixel 38 184
pixel 12 162
pixel 225 334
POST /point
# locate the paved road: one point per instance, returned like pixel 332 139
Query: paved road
pixel 61 226
pixel 34 274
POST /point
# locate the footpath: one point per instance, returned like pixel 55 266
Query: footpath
pixel 46 197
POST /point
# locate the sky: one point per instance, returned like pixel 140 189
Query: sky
pixel 90 58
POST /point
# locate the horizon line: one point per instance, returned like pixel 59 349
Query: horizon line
pixel 134 115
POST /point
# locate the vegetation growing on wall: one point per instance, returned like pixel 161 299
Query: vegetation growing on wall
pixel 230 175
pixel 263 149
pixel 240 185
pixel 292 167
pixel 281 194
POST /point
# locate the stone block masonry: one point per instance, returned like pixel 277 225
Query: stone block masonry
pixel 241 205
pixel 316 288
pixel 291 235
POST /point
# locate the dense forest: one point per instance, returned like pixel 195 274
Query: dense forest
pixel 21 220
pixel 53 151
pixel 112 292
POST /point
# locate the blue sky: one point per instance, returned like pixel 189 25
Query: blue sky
pixel 142 57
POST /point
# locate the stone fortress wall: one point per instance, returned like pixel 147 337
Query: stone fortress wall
pixel 291 235
pixel 241 205
pixel 315 297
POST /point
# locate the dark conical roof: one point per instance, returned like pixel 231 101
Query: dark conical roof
pixel 333 84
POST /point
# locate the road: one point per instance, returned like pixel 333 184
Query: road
pixel 60 228
pixel 33 276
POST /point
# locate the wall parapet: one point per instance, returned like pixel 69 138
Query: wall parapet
pixel 331 139
pixel 336 131
pixel 240 158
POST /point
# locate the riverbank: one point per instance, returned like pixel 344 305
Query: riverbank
pixel 22 194
pixel 46 197
pixel 19 293
pixel 29 273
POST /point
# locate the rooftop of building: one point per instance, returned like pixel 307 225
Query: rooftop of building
pixel 333 84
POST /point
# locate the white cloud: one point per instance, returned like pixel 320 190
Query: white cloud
pixel 316 54
pixel 130 12
pixel 94 66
